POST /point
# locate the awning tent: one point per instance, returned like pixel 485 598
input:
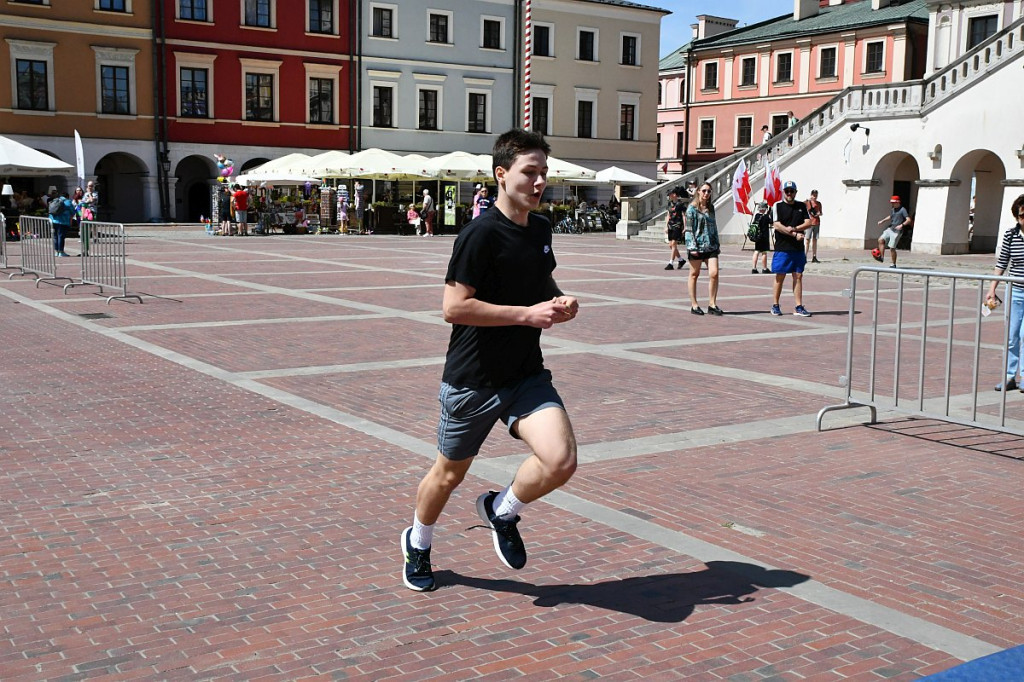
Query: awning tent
pixel 17 159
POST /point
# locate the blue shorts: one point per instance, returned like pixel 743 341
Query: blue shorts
pixel 784 262
pixel 469 414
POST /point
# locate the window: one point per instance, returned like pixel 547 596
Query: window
pixel 257 13
pixel 744 131
pixel 586 46
pixel 438 28
pixel 874 57
pixel 630 50
pixel 707 133
pixel 114 90
pixel 657 145
pixel 779 123
pixel 32 85
pixel 192 86
pixel 192 10
pixel 711 75
pixel 661 88
pixel 584 119
pixel 784 67
pixel 321 100
pixel 827 62
pixel 383 22
pixel 627 120
pixel 680 143
pixel 477 112
pixel 542 40
pixel 111 5
pixel 748 71
pixel 492 38
pixel 321 16
pixel 540 115
pixel 428 119
pixel 31 2
pixel 981 28
pixel 383 106
pixel 259 97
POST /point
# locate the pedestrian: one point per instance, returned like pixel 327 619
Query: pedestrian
pixel 791 220
pixel 499 294
pixel 674 228
pixel 240 204
pixel 224 207
pixel 765 134
pixel 898 219
pixel 1011 257
pixel 702 246
pixel 428 211
pixel 412 216
pixel 791 120
pixel 811 235
pixel 481 201
pixel 762 242
pixel 61 210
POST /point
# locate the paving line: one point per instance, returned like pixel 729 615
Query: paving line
pixel 909 627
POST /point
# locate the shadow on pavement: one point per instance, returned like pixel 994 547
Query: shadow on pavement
pixel 665 598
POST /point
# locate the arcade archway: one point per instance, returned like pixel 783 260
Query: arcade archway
pixel 119 177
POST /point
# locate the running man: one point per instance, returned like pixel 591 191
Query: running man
pixel 499 294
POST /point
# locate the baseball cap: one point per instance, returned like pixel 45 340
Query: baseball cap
pixel 894 198
pixel 789 184
pixel 763 204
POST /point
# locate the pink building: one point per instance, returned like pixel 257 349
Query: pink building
pixel 719 90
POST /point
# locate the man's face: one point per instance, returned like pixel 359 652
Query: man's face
pixel 524 182
pixel 790 194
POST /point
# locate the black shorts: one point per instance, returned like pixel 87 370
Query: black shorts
pixel 696 255
pixel 675 234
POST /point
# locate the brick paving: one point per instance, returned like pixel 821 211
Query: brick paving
pixel 211 485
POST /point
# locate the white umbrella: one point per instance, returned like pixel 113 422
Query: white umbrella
pixel 613 175
pixel 461 166
pixel 283 178
pixel 18 159
pixel 289 163
pixel 327 164
pixel 564 171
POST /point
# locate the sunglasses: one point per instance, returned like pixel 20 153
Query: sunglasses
pixel 790 191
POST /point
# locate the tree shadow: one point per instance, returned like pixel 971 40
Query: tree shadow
pixel 665 598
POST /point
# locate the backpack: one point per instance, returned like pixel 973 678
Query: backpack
pixel 752 231
pixel 55 206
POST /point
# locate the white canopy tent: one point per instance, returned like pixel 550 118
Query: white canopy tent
pixel 17 159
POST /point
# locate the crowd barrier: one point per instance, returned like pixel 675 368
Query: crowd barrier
pixel 958 348
pixel 3 242
pixel 37 255
pixel 104 259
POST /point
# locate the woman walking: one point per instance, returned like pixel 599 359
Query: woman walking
pixel 702 245
pixel 1010 261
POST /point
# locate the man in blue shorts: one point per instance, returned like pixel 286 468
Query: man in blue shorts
pixel 791 219
pixel 499 294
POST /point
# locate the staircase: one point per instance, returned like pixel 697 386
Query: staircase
pixel 645 214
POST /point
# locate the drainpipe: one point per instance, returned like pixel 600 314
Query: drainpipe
pixel 160 104
pixel 355 138
pixel 686 109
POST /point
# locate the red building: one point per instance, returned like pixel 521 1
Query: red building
pixel 251 80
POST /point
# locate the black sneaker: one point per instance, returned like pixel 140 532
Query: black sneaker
pixel 669 267
pixel 508 544
pixel 767 271
pixel 680 264
pixel 753 271
pixel 417 575
pixel 1009 385
pixel 815 260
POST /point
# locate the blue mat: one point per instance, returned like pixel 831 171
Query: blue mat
pixel 1005 666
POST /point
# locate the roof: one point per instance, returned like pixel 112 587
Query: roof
pixel 831 19
pixel 631 5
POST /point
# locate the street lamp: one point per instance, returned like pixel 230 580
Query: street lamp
pixel 856 126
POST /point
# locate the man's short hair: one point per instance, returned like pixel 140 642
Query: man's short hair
pixel 514 143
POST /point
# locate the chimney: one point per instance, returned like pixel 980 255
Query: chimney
pixel 805 9
pixel 708 26
pixel 879 4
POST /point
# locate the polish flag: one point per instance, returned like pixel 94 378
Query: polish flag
pixel 772 185
pixel 741 188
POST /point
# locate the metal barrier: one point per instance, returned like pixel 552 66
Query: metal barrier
pixel 940 391
pixel 104 256
pixel 3 242
pixel 37 255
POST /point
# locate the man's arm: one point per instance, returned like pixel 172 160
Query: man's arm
pixel 460 306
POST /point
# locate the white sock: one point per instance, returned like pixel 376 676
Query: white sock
pixel 507 505
pixel 421 535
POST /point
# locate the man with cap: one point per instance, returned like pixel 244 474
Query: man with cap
pixel 791 220
pixel 674 228
pixel 898 219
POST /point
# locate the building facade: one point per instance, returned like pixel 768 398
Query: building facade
pixel 729 84
pixel 84 66
pixel 593 88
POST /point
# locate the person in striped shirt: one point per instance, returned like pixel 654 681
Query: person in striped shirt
pixel 1011 257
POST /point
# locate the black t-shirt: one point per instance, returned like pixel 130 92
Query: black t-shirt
pixel 676 211
pixel 507 264
pixel 790 215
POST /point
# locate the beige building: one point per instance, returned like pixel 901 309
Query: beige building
pixel 85 66
pixel 594 81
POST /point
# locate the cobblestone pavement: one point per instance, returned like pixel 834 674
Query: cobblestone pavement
pixel 212 484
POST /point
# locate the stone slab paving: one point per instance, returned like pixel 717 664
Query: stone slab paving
pixel 213 487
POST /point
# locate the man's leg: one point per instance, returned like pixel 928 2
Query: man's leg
pixel 437 486
pixel 780 277
pixel 549 434
pixel 798 288
pixel 893 249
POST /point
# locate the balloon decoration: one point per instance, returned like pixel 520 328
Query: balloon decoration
pixel 225 168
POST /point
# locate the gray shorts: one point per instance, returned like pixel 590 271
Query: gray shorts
pixel 812 232
pixel 891 236
pixel 240 216
pixel 469 414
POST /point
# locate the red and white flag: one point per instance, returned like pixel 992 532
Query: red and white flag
pixel 741 189
pixel 772 184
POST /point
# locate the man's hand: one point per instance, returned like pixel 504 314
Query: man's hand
pixel 558 309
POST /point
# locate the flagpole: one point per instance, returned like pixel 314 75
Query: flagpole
pixel 527 53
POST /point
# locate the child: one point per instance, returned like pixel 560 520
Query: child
pixel 343 216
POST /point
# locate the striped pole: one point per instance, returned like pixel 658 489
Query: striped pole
pixel 527 52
